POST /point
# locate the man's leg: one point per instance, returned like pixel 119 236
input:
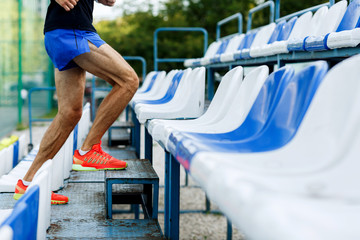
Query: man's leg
pixel 70 85
pixel 108 64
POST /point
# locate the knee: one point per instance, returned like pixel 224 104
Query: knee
pixel 133 82
pixel 70 115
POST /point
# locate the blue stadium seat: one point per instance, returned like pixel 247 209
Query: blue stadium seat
pixel 306 189
pixel 348 32
pixel 158 90
pixel 24 217
pixel 211 51
pixel 283 36
pixel 261 38
pixel 148 82
pixel 334 16
pixel 280 126
pixel 185 99
pixel 226 92
pixel 221 49
pixel 299 31
pixel 232 46
pixel 263 106
pixel 315 29
pixel 257 50
pixel 168 95
pixel 245 43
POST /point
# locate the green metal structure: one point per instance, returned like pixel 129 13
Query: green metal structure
pixel 23 60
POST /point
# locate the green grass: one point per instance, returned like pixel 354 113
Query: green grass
pixel 21 127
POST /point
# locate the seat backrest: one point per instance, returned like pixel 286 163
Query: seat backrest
pixel 176 82
pixel 243 100
pixel 224 94
pixel 223 46
pixel 276 32
pixel 263 36
pixel 159 88
pixel 292 105
pixel 57 175
pixel 43 180
pixel 248 39
pixel 301 26
pixel 24 217
pixel 333 18
pixel 191 91
pixel 287 29
pixel 317 20
pixel 6 233
pixel 234 43
pixel 265 101
pixel 146 81
pixel 151 82
pixel 212 49
pixel 2 162
pixel 351 17
pixel 333 117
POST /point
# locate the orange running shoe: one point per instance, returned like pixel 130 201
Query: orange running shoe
pixel 56 199
pixel 96 159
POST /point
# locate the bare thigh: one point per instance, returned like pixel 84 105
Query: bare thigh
pixel 107 64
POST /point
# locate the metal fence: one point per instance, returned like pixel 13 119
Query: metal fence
pixel 23 61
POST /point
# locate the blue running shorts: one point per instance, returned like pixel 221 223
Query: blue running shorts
pixel 63 45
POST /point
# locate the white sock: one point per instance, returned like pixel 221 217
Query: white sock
pixel 26 183
pixel 82 153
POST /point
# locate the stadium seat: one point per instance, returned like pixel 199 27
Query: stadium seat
pixel 306 189
pixel 244 44
pixel 152 83
pixel 6 233
pixel 43 180
pixel 24 217
pixel 185 99
pixel 298 31
pixel 2 162
pixel 256 51
pixel 234 43
pixel 348 32
pixel 84 124
pixel 283 36
pixel 236 111
pixel 147 82
pixel 313 30
pixel 329 24
pixel 158 90
pixel 211 51
pixel 220 50
pixel 261 39
pixel 224 95
pixel 278 129
pixel 263 106
pixel 68 155
pixel 175 81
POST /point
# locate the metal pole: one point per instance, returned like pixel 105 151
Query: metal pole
pixel 20 85
pixel 174 199
pixel 167 195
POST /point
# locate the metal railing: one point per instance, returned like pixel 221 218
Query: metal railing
pixel 158 60
pixel 258 8
pixel 237 16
